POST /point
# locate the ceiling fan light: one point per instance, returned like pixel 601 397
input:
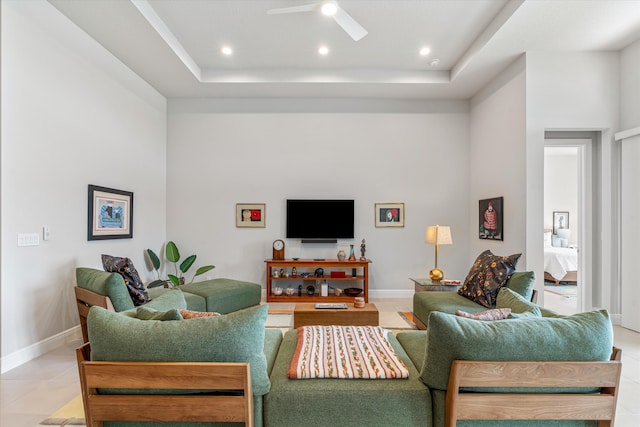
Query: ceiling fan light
pixel 329 8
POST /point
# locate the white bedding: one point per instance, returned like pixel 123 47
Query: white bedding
pixel 558 261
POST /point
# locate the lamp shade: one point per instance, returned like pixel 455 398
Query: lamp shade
pixel 438 234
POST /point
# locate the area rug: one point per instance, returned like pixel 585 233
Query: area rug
pixel 71 414
pixel 567 291
pixel 283 319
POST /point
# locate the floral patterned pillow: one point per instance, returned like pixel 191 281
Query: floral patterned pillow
pixel 487 275
pixel 493 314
pixel 124 267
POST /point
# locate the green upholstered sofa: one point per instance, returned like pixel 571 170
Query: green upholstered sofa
pixel 448 302
pixel 569 354
pixel 108 290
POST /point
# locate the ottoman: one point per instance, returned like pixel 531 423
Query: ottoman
pixel 225 295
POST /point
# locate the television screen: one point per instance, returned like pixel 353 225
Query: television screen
pixel 320 219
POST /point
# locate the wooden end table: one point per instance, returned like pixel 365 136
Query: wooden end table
pixel 306 314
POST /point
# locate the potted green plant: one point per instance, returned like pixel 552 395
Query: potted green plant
pixel 173 256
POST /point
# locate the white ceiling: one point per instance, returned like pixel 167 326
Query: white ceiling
pixel 175 44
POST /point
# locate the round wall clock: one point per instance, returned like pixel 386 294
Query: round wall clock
pixel 278 249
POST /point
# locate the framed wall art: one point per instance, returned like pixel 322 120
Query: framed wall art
pixel 491 219
pixel 252 215
pixel 110 214
pixel 560 221
pixel 389 214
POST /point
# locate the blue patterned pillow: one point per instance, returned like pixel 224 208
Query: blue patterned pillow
pixel 487 275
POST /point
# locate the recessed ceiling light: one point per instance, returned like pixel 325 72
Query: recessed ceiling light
pixel 329 8
pixel 226 50
pixel 425 51
pixel 323 50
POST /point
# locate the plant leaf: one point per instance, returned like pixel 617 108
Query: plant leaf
pixel 156 284
pixel 154 259
pixel 187 263
pixel 174 279
pixel 172 252
pixel 204 269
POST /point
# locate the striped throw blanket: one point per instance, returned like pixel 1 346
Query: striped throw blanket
pixel 362 352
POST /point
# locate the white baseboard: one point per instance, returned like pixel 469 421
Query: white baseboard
pixel 616 319
pixel 27 354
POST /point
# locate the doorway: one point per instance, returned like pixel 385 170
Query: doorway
pixel 568 217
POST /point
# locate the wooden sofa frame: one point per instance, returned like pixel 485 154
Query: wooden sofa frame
pixel 85 299
pixel 235 378
pixel 517 406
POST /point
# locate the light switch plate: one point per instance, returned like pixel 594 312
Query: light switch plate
pixel 28 239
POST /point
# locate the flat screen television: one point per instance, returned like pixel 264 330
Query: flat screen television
pixel 319 220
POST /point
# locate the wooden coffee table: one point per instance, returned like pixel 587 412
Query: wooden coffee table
pixel 306 314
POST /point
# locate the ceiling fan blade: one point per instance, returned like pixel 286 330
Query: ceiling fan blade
pixel 293 9
pixel 350 25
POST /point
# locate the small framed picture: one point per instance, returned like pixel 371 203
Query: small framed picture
pixel 389 214
pixel 251 215
pixel 560 220
pixel 110 214
pixel 490 219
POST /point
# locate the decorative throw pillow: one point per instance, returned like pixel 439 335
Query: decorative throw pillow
pixel 145 313
pixel 507 298
pixel 494 314
pixel 190 314
pixel 487 275
pixel 124 266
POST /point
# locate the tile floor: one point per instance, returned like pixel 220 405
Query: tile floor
pixel 33 391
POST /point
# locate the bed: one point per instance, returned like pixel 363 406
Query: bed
pixel 560 264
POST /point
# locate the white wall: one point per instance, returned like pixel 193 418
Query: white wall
pixel 71 116
pixel 577 91
pixel 630 87
pixel 319 149
pixel 497 162
pixel 561 187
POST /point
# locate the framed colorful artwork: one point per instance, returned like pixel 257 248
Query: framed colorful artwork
pixel 389 214
pixel 252 215
pixel 110 214
pixel 491 219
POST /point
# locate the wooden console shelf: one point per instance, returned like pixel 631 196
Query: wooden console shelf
pixel 299 283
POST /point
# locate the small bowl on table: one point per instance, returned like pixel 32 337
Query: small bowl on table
pixel 352 292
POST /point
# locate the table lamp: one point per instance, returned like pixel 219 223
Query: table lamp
pixel 437 235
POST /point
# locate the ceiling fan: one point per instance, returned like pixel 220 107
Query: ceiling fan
pixel 329 8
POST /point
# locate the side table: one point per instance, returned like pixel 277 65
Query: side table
pixel 422 285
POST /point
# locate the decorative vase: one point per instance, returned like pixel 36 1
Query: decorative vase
pixel 341 256
pixel 352 255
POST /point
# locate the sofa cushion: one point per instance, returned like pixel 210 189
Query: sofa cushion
pixel 582 336
pixel 448 302
pixel 235 337
pixel 225 295
pixel 107 284
pixel 487 275
pixel 144 313
pixel 523 283
pixel 193 302
pixel 344 402
pixel 516 302
pixel 124 267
